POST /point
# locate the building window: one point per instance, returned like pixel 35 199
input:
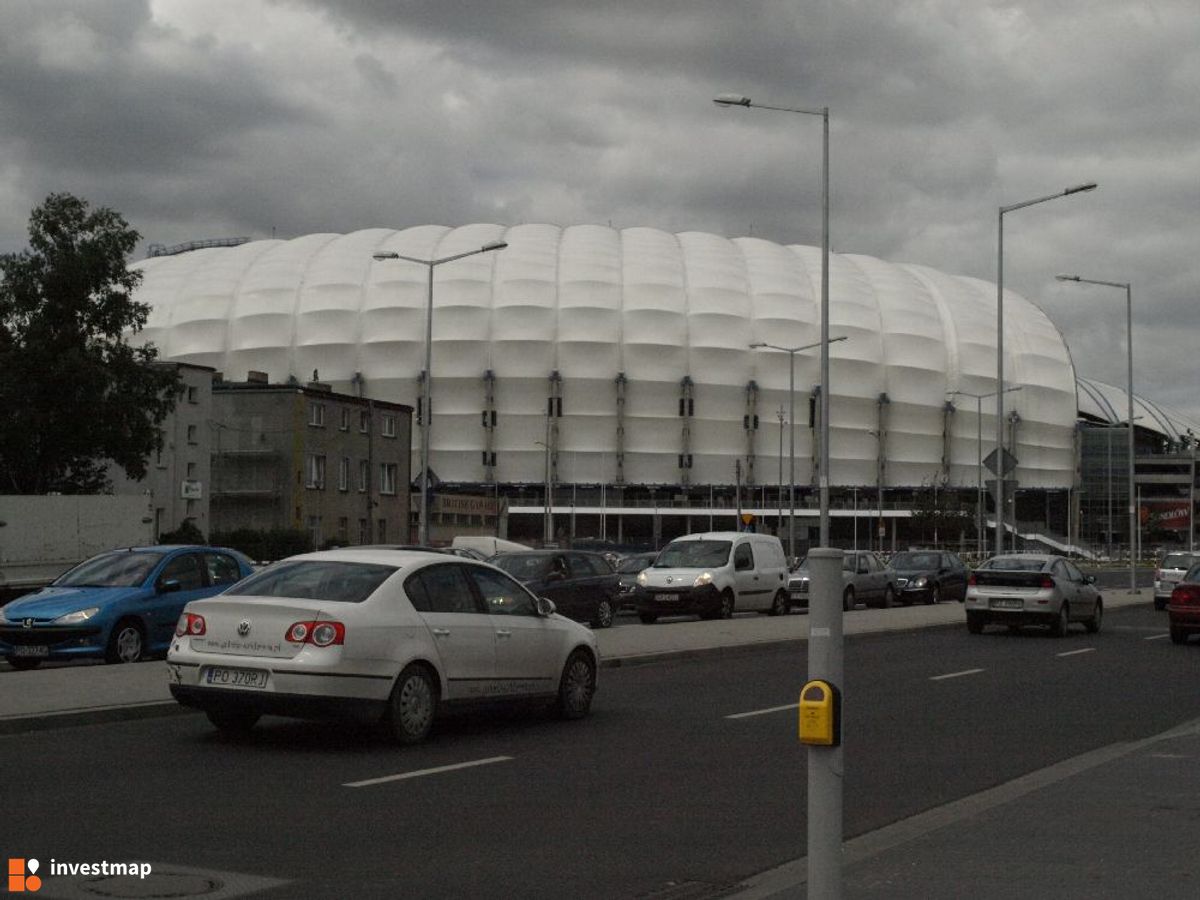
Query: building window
pixel 316 472
pixel 345 426
pixel 343 532
pixel 191 470
pixel 316 414
pixel 363 537
pixel 364 422
pixel 387 478
pixel 389 426
pixel 344 474
pixel 382 536
pixel 191 434
pixel 191 394
pixel 364 473
pixel 314 530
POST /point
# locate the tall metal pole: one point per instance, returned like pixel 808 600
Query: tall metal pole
pixel 999 542
pixel 779 521
pixel 791 453
pixel 980 536
pixel 825 391
pixel 1133 513
pixel 826 770
pixel 427 410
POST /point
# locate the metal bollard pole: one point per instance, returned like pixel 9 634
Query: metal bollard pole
pixel 825 770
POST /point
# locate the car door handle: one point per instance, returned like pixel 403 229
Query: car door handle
pixel 441 632
pixel 503 634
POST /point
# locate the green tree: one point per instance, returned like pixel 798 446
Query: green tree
pixel 73 393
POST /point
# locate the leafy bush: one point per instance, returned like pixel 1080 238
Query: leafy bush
pixel 265 546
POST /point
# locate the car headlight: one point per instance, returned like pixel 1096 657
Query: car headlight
pixel 641 579
pixel 702 579
pixel 919 582
pixel 80 615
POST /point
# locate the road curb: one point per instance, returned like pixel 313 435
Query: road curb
pixel 68 718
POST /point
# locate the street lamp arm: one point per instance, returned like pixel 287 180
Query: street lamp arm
pixel 759 345
pixel 1078 189
pixel 486 248
pixel 1124 285
pixel 742 100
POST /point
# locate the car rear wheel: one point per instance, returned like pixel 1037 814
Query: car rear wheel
pixel 231 721
pixel 779 606
pixel 1178 635
pixel 889 598
pixel 848 599
pixel 577 686
pixel 975 623
pixel 126 644
pixel 23 663
pixel 412 705
pixel 1059 627
pixel 1093 624
pixel 604 614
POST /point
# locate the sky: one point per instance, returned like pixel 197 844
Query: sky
pixel 199 119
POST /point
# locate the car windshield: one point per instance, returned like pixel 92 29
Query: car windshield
pixel 915 561
pixel 1015 563
pixel 312 579
pixel 523 566
pixel 634 564
pixel 1177 561
pixel 693 555
pixel 120 569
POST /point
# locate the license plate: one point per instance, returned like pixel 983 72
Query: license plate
pixel 1003 603
pixel 666 598
pixel 248 678
pixel 30 650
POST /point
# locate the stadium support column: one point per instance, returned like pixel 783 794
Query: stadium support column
pixel 687 409
pixel 750 424
pixel 489 427
pixel 621 384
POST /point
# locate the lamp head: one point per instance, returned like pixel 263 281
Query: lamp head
pixel 757 344
pixel 1066 277
pixel 494 245
pixel 1080 188
pixel 731 100
pixel 384 254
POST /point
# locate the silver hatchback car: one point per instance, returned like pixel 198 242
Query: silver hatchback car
pixel 1169 573
pixel 1032 589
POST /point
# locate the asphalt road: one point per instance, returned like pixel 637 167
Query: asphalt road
pixel 658 794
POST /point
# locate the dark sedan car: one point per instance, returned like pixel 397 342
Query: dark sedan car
pixel 627 573
pixel 929 576
pixel 582 585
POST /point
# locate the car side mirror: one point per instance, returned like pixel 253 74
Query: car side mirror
pixel 555 576
pixel 545 607
pixel 169 587
pixel 1089 579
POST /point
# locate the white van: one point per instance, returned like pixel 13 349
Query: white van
pixel 712 574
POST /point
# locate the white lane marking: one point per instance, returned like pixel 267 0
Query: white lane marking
pixel 403 776
pixel 955 674
pixel 763 712
pixel 1156 637
pixel 1077 652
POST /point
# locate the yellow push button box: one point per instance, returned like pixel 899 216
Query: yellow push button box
pixel 820 714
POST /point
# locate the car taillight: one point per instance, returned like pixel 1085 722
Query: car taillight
pixel 320 634
pixel 971 580
pixel 1186 595
pixel 189 624
pixel 1047 582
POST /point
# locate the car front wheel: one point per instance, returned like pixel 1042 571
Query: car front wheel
pixel 577 686
pixel 412 706
pixel 848 599
pixel 126 644
pixel 23 663
pixel 935 595
pixel 1093 624
pixel 604 614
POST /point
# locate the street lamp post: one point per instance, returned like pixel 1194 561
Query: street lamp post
pixel 427 386
pixel 823 112
pixel 791 352
pixel 547 507
pixel 980 531
pixel 1133 522
pixel 1090 186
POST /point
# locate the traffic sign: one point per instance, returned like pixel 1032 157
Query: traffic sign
pixel 1010 462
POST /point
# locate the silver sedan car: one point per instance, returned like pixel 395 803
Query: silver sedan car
pixel 391 636
pixel 1032 589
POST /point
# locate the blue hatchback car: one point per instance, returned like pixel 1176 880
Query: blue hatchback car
pixel 121 606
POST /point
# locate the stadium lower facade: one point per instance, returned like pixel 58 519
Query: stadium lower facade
pixel 614 367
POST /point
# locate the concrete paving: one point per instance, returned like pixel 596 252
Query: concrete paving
pixel 1104 824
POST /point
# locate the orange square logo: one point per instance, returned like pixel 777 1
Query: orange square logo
pixel 18 881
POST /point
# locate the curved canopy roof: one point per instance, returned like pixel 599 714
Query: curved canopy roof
pixel 567 311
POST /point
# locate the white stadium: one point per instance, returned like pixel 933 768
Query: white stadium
pixel 638 341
